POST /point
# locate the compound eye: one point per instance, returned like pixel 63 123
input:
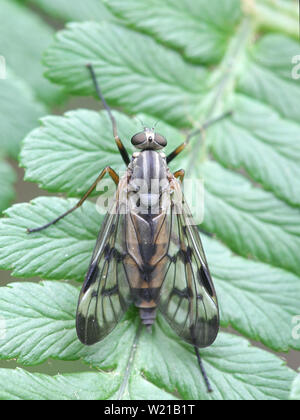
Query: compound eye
pixel 138 138
pixel 161 140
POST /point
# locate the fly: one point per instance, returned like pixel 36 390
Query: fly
pixel 148 253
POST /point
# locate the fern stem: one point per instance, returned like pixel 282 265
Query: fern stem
pixel 129 364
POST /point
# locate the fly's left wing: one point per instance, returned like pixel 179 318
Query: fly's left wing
pixel 187 297
pixel 105 294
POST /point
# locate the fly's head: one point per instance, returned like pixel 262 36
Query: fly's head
pixel 149 140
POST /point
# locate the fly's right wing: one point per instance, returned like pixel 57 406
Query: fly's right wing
pixel 187 296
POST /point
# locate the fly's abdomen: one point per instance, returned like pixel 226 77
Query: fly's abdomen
pixel 148 316
pixel 147 242
pixel 147 232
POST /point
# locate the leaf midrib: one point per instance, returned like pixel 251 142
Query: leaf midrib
pixel 229 65
pixel 129 364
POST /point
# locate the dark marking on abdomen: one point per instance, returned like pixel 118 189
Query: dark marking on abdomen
pixel 146 294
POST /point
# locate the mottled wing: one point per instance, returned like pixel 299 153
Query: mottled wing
pixel 187 296
pixel 105 294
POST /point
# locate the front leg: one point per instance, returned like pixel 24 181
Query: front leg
pixel 179 174
pixel 108 170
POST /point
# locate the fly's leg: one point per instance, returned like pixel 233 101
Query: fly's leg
pixel 200 130
pixel 203 372
pixel 179 174
pixel 118 141
pixel 106 170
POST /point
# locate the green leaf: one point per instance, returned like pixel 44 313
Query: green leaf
pixel 77 143
pixel 263 135
pixel 252 188
pixel 7 179
pixel 279 16
pixel 249 219
pixel 61 252
pixel 295 393
pixel 268 76
pixel 38 322
pixel 163 359
pixel 21 385
pixel 200 29
pixel 131 360
pixel 77 11
pixel 226 362
pixel 129 75
pixel 19 112
pixel 256 299
pixel 258 88
pixel 264 144
pixel 22 44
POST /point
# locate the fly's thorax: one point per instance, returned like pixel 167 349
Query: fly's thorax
pixel 148 181
pixel 148 165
